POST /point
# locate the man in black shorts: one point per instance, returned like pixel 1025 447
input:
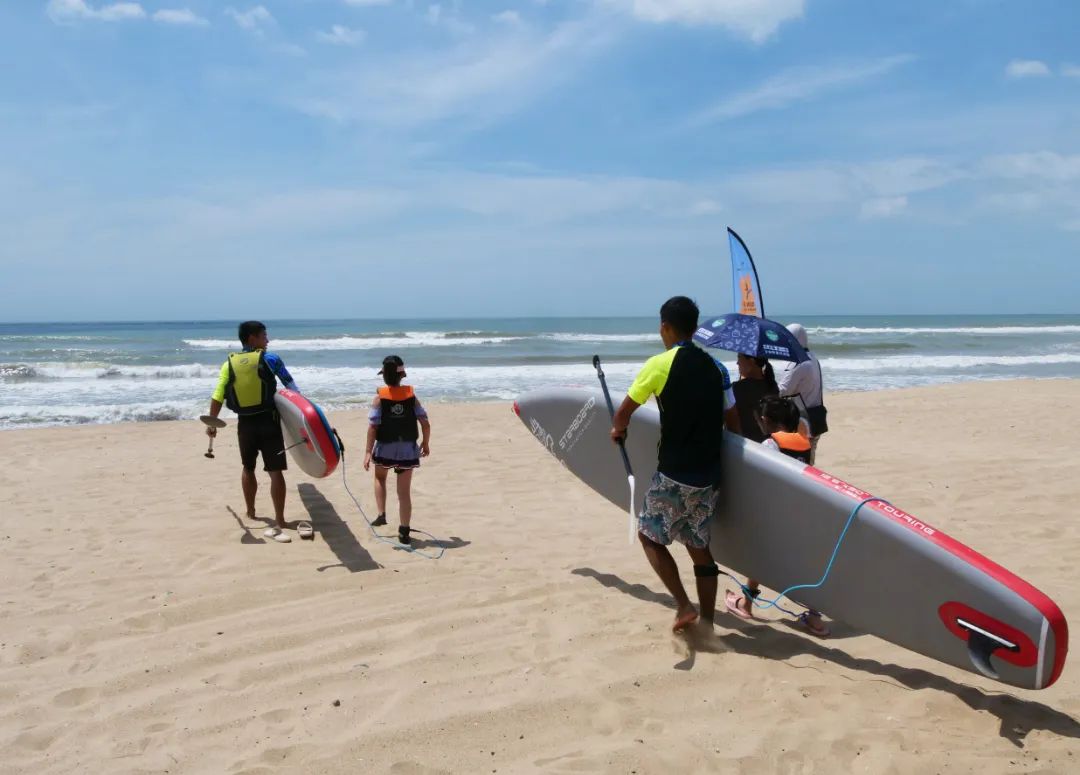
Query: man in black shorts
pixel 247 385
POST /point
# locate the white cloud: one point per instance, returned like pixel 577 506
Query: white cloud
pixel 1026 68
pixel 884 207
pixel 339 35
pixel 253 19
pixel 289 49
pixel 475 81
pixel 754 19
pixel 1070 71
pixel 73 10
pixel 706 207
pixel 512 18
pixel 180 16
pixel 795 85
pixel 1039 165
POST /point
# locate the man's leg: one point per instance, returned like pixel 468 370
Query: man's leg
pixel 705 576
pixel 404 495
pixel 664 564
pixel 250 486
pixel 277 495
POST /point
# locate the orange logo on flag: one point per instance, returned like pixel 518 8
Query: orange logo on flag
pixel 749 300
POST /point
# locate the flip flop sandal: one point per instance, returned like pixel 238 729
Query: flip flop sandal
pixel 305 531
pixel 731 600
pixel 277 535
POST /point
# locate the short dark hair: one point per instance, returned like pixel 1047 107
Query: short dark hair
pixel 780 410
pixel 393 370
pixel 681 313
pixel 249 328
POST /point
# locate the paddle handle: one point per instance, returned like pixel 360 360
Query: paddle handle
pixel 632 522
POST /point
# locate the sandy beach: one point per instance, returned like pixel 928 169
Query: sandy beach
pixel 147 626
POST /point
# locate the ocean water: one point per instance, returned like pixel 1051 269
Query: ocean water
pixel 74 373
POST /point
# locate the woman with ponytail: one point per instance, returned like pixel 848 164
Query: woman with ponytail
pixel 756 381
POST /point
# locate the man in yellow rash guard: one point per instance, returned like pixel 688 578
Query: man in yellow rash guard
pixel 689 390
pixel 247 385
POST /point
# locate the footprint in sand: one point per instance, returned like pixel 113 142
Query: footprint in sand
pixel 84 663
pixel 73 698
pixel 412 768
pixel 277 716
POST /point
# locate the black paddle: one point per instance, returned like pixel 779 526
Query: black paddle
pixel 632 525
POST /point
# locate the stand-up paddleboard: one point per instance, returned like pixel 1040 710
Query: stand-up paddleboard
pixel 308 436
pixel 779 520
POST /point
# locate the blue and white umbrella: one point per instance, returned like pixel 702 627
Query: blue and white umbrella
pixel 753 336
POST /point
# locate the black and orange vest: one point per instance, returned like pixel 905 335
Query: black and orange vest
pixel 793 445
pixel 398 415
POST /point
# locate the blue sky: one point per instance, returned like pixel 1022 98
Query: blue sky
pixel 172 159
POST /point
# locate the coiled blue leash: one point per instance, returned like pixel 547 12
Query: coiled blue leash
pixel 775 602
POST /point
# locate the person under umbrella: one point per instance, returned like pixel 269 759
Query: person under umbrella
pixel 803 382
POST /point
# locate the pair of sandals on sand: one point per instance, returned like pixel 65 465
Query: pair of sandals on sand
pixel 743 607
pixel 303 529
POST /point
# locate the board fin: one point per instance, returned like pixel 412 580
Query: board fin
pixel 982 645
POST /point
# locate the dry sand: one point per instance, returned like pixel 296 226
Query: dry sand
pixel 147 627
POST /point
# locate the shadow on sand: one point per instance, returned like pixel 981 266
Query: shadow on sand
pixel 335 531
pixel 248 537
pixel 1017 716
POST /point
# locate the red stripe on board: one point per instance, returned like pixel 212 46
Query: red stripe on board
pixel 316 431
pixel 1044 605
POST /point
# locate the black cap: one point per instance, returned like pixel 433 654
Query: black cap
pixel 392 363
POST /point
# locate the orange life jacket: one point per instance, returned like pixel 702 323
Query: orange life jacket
pixel 793 445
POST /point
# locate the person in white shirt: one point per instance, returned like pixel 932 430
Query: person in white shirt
pixel 803 382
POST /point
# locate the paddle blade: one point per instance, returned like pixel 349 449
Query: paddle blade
pixel 632 522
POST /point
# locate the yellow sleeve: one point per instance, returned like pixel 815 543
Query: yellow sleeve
pixel 223 380
pixel 651 379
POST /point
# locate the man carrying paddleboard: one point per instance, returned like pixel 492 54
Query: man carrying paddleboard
pixel 247 384
pixel 691 394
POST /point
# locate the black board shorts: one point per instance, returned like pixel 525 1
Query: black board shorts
pixel 261 433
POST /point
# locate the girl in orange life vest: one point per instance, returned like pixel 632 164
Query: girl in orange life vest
pixel 391 441
pixel 779 420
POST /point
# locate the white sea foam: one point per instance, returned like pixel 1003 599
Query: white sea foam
pixel 970 330
pixel 919 363
pixel 389 342
pixel 422 339
pixel 561 337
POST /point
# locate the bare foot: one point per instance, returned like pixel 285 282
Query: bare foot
pixel 684 618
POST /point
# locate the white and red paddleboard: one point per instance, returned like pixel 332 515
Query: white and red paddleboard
pixel 308 435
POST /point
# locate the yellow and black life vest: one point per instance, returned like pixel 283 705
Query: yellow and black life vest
pixel 251 385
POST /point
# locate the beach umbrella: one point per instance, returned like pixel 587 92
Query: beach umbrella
pixel 753 336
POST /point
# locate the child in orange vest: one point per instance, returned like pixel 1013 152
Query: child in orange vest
pixel 392 441
pixel 779 420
